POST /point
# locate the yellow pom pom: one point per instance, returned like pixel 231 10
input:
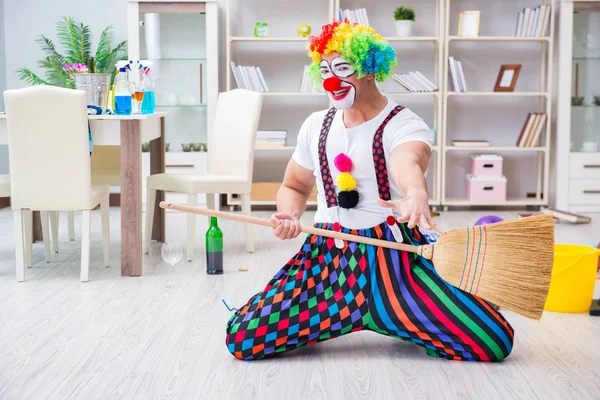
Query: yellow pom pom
pixel 346 182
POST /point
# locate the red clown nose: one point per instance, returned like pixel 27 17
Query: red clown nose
pixel 331 84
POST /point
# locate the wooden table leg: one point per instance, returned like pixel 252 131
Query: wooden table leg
pixel 157 166
pixel 131 198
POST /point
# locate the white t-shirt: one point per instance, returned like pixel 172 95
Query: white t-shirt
pixel 357 143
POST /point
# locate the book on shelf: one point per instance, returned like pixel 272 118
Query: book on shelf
pixel 533 22
pixel 470 143
pixel 271 139
pixel 532 130
pixel 456 75
pixel 306 85
pixel 357 15
pixel 567 216
pixel 249 77
pixel 414 81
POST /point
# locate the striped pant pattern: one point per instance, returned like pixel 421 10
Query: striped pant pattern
pixel 324 292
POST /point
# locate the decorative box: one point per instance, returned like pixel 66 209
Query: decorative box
pixel 486 165
pixel 486 189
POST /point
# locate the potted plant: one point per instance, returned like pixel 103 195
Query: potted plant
pixel 405 18
pixel 75 39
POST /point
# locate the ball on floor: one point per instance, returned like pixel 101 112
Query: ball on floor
pixel 488 219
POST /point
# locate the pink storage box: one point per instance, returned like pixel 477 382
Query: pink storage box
pixel 486 189
pixel 486 165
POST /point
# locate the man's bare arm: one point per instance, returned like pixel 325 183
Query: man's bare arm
pixel 293 194
pixel 291 200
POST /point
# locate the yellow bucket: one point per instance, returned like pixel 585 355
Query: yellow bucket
pixel 573 278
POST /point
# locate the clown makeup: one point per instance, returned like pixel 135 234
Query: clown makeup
pixel 342 68
pixel 341 93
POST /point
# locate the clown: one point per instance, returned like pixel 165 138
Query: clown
pixel 368 156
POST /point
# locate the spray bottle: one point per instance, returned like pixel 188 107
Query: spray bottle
pixel 122 93
pixel 147 86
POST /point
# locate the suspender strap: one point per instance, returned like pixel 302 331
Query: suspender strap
pixel 383 184
pixel 328 184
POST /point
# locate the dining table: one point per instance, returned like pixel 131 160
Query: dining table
pixel 129 132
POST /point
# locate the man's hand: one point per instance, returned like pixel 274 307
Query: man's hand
pixel 414 210
pixel 285 226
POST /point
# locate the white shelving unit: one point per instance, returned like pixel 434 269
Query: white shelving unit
pixel 435 39
pixel 542 153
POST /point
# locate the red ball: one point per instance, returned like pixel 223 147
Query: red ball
pixel 336 226
pixel 331 84
pixel 391 220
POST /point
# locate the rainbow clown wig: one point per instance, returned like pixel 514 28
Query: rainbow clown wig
pixel 357 44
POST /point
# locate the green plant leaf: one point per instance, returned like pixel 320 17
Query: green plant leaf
pixel 48 47
pixel 26 75
pixel 116 54
pixel 84 44
pixel 69 39
pixel 404 13
pixel 103 49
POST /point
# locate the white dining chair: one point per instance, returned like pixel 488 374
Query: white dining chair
pixel 49 163
pixel 230 164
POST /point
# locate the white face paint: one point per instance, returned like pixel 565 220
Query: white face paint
pixel 344 97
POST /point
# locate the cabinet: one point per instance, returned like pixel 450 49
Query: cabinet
pixel 180 39
pixel 577 158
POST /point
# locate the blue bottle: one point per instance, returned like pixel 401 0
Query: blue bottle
pixel 122 94
pixel 148 104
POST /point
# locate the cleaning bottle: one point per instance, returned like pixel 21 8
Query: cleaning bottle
pixel 148 103
pixel 214 248
pixel 122 93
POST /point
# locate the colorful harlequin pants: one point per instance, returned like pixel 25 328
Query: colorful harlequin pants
pixel 325 292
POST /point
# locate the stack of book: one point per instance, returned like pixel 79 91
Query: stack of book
pixel 306 85
pixel 456 75
pixel 414 81
pixel 271 139
pixel 532 130
pixel 533 22
pixel 358 15
pixel 250 78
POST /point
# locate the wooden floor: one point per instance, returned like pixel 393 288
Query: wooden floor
pixel 134 338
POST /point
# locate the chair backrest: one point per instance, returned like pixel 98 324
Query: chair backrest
pixel 48 148
pixel 233 137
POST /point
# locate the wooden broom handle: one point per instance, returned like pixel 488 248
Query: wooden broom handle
pixel 425 251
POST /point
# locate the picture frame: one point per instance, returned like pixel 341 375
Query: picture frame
pixel 468 23
pixel 507 78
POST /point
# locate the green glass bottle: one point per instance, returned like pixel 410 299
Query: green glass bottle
pixel 214 248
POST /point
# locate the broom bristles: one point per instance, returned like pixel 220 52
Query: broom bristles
pixel 508 263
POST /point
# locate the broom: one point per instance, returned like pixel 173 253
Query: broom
pixel 508 263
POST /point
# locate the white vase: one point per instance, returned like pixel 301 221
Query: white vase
pixel 404 28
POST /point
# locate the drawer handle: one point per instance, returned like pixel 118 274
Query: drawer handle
pixel 591 166
pixel 591 191
pixel 488 188
pixel 181 166
pixel 488 165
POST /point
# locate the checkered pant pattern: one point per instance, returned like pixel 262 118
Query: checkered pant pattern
pixel 324 292
pixel 319 294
